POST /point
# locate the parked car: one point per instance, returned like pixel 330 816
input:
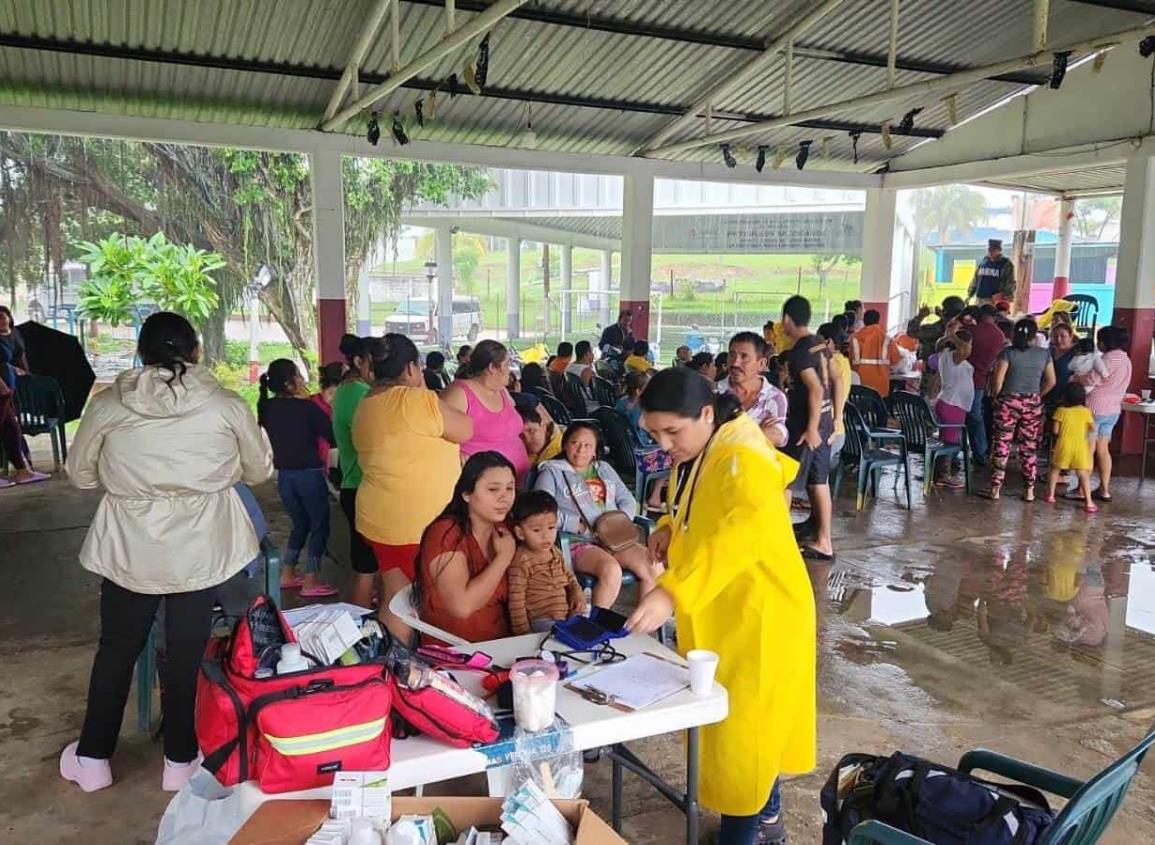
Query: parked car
pixel 417 318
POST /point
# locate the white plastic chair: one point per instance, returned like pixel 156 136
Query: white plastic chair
pixel 402 607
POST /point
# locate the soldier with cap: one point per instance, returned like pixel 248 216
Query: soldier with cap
pixel 995 275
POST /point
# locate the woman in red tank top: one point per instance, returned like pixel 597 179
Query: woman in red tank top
pixel 461 584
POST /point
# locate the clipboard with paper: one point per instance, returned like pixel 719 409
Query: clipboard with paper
pixel 635 683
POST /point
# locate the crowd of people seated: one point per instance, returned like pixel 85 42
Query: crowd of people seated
pixel 463 488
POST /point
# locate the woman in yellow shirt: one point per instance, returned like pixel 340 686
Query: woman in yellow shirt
pixel 638 362
pixel 407 442
pixel 736 585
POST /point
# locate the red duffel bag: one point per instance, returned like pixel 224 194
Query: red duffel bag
pixel 288 731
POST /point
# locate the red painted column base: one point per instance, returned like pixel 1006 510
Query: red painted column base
pixel 1140 322
pixel 1060 287
pixel 640 308
pixel 881 307
pixel 330 326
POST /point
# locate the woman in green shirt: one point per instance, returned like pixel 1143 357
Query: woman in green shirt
pixel 360 353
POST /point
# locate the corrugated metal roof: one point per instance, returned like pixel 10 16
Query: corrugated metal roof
pixel 1073 182
pixel 531 57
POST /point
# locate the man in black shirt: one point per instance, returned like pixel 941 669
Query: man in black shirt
pixel 617 341
pixel 810 420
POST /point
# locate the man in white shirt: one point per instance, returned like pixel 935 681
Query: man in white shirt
pixel 763 402
pixel 582 367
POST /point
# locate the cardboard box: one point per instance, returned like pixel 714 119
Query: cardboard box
pixel 292 822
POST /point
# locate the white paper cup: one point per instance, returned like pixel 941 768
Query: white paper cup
pixel 1146 394
pixel 703 665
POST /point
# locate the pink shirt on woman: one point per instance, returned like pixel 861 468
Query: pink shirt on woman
pixel 1107 397
pixel 495 431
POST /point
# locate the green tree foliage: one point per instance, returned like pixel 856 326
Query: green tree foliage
pixel 249 207
pixel 952 208
pixel 127 269
pixel 824 263
pixel 1094 214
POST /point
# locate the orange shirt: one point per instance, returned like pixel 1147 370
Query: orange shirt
pixel 871 355
pixel 491 620
pixel 559 364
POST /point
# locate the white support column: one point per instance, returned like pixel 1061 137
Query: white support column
pixel 566 271
pixel 604 287
pixel 513 289
pixel 878 284
pixel 444 287
pixel 637 248
pixel 328 249
pixel 1061 285
pixel 1135 282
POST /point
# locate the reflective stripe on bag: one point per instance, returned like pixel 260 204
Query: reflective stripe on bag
pixel 297 746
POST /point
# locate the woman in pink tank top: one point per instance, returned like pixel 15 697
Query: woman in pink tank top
pixel 480 392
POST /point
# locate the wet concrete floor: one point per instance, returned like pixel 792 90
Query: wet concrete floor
pixel 1029 629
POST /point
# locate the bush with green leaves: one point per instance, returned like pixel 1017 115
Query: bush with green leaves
pixel 126 270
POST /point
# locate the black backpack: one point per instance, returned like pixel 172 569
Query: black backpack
pixel 942 805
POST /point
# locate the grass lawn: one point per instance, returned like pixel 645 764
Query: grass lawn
pixel 754 288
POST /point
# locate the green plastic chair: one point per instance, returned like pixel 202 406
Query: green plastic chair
pixel 860 453
pixel 1090 805
pixel 40 409
pixel 920 427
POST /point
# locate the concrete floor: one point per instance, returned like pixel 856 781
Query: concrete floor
pixel 887 680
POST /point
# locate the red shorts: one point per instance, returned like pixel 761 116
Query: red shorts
pixel 403 558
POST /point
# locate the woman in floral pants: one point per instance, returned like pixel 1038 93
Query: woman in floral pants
pixel 1023 375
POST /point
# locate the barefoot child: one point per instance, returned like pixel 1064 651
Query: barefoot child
pixel 294 425
pixel 1073 422
pixel 541 589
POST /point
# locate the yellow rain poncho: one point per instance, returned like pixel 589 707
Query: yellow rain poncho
pixel 740 588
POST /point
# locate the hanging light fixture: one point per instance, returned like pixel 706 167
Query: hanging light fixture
pixel 482 72
pixel 854 136
pixel 907 122
pixel 469 74
pixel 951 102
pixel 1100 60
pixel 373 130
pixel 419 112
pixel 1147 46
pixel 760 161
pixel 779 157
pixel 527 138
pixel 728 156
pixel 884 128
pixel 399 134
pixel 803 154
pixel 1059 69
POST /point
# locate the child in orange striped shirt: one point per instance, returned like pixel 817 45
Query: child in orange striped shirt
pixel 542 590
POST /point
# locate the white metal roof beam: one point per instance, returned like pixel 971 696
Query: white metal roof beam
pixel 94 124
pixel 479 24
pixel 905 92
pixel 758 63
pixel 360 48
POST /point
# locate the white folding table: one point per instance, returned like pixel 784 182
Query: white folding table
pixel 419 761
pixel 1147 409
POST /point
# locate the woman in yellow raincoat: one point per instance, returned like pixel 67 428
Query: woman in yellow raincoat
pixel 737 585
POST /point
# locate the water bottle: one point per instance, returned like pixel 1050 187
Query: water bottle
pixel 291 660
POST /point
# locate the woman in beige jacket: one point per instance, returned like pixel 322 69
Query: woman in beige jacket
pixel 167 443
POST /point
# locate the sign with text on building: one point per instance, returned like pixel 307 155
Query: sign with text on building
pixel 807 232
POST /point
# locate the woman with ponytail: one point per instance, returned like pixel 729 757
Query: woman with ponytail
pixel 1023 375
pixel 737 586
pixel 407 442
pixel 360 353
pixel 295 425
pixel 168 444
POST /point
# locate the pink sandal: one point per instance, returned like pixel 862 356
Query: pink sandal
pixel 1049 499
pixel 1091 508
pixel 318 592
pixel 293 583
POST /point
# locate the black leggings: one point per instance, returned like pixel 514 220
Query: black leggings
pixel 125 620
pixel 360 552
